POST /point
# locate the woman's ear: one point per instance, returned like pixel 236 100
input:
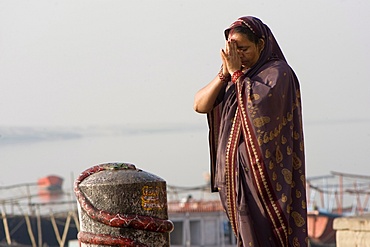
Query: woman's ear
pixel 261 44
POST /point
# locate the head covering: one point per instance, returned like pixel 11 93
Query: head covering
pixel 271 50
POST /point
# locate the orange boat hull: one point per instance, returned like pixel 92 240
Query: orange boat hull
pixel 50 183
pixel 320 227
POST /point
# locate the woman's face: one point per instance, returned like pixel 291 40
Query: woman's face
pixel 248 51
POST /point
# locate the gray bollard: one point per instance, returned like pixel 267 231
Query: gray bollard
pixel 120 205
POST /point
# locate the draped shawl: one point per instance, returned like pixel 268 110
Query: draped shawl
pixel 262 110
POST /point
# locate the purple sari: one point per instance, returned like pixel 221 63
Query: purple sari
pixel 257 150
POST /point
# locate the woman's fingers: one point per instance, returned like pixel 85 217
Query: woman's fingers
pixel 230 56
pixel 224 56
pixel 227 47
pixel 233 48
pixel 224 61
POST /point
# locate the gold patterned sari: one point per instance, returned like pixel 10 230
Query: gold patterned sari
pixel 257 151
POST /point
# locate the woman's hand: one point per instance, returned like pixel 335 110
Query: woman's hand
pixel 205 98
pixel 230 57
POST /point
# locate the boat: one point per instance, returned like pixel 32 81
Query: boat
pixel 320 228
pixel 50 183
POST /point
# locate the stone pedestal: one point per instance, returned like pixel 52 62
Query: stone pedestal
pixel 352 231
pixel 122 205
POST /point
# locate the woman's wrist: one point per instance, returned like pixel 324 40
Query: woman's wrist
pixel 235 75
pixel 224 78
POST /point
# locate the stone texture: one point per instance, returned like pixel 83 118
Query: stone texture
pixel 352 231
pixel 127 192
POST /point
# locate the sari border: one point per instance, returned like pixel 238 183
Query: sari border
pixel 230 171
pixel 260 175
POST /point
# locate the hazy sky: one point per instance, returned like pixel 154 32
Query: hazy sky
pixel 80 63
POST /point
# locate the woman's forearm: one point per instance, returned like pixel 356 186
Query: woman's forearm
pixel 205 98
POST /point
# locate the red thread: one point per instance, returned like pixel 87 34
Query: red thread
pixel 236 75
pixel 223 78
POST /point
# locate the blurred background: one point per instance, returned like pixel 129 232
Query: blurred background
pixel 87 82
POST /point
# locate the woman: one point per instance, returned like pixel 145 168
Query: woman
pixel 253 107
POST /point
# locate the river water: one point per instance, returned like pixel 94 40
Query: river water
pixel 179 156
